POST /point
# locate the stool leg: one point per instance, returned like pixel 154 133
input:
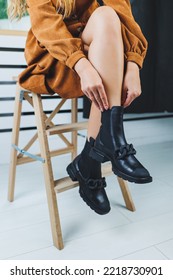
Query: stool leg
pixel 15 140
pixel 48 173
pixel 74 120
pixel 126 194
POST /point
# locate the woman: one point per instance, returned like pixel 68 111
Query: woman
pixel 75 47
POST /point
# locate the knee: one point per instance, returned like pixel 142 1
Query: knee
pixel 107 20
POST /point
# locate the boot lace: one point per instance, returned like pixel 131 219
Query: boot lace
pixel 94 184
pixel 125 150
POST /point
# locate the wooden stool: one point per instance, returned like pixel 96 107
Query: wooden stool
pixel 45 128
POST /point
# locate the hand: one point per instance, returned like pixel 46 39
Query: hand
pixel 131 85
pixel 91 83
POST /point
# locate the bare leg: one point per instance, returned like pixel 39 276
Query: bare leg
pixel 102 35
pixel 94 122
pixel 106 53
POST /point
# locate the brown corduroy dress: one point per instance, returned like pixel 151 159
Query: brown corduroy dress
pixel 53 45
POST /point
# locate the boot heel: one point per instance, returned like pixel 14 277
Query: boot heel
pixel 71 172
pixel 97 155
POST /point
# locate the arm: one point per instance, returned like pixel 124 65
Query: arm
pixel 135 44
pixel 51 32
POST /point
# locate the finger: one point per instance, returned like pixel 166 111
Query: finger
pixel 96 104
pixel 129 100
pixel 98 99
pixel 103 97
pixel 86 94
pixel 91 97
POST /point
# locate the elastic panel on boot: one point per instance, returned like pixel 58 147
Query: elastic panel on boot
pixel 89 167
pixel 113 131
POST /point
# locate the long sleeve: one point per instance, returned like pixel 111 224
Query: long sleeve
pixel 135 44
pixel 51 32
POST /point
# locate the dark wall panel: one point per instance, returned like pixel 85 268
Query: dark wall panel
pixel 156 21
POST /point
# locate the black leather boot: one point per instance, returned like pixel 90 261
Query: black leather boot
pixel 111 145
pixel 87 172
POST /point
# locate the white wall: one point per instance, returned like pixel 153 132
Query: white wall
pixel 23 24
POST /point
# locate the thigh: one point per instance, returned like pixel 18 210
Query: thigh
pixel 87 34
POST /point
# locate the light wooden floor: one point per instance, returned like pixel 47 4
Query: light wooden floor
pixel 144 234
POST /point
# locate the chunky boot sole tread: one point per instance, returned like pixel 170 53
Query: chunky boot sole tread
pixel 73 174
pixel 132 179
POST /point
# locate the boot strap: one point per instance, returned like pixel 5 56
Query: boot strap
pixel 94 184
pixel 125 150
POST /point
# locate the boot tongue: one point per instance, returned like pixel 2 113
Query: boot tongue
pixel 113 131
pixel 117 109
pixel 115 112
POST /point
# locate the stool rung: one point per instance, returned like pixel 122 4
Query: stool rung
pixel 64 184
pixel 106 169
pixel 66 128
pixel 54 153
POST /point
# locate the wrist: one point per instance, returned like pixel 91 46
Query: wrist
pixel 131 65
pixel 81 65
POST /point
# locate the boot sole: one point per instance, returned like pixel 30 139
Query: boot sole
pixel 73 174
pixel 101 157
